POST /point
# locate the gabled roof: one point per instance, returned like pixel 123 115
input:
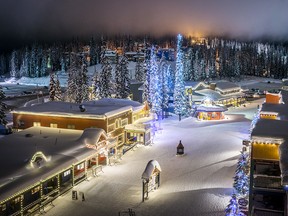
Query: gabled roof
pixel 224 86
pixel 152 164
pixel 211 108
pixel 62 148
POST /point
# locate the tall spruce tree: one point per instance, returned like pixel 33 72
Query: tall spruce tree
pixel 122 79
pixel 58 91
pixel 14 72
pixel 52 87
pixel 139 70
pixel 106 85
pixel 155 84
pixel 73 71
pixel 180 100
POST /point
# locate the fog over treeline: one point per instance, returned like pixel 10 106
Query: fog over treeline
pixel 52 20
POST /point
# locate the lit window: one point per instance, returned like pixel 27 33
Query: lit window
pixel 80 166
pixel 35 190
pixel 36 124
pixel 53 125
pixel 69 126
pixel 124 122
pixel 117 125
pixel 66 173
pixel 111 127
pixel 3 207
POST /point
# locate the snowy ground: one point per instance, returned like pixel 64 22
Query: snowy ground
pixel 197 184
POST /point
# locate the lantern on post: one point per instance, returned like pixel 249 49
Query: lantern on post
pixel 180 148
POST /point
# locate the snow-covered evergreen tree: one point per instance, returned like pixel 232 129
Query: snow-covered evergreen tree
pixel 82 83
pixel 106 85
pixel 2 107
pixel 73 71
pixel 196 68
pixel 58 91
pixel 52 87
pixel 139 70
pixel 43 64
pixel 155 84
pixel 14 72
pixel 233 208
pixel 180 100
pixel 96 87
pixel 165 85
pixel 122 79
pixel 241 179
pixel 146 85
pixel 93 52
pixel 32 68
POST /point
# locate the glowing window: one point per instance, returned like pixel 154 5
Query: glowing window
pixel 36 124
pixel 70 126
pixel 124 122
pixel 66 173
pixel 53 125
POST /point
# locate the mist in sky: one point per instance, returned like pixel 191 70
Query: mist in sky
pixel 34 20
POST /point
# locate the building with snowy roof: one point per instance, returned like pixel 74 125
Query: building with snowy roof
pixel 208 110
pixel 222 92
pixel 43 163
pixel 109 114
pixel 269 166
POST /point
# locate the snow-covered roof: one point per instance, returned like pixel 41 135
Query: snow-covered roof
pixel 214 95
pixel 280 109
pixel 62 148
pixel 226 86
pixel 152 164
pixel 93 109
pixel 270 130
pixel 211 108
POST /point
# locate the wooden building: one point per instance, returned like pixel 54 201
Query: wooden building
pixel 39 164
pixel 207 110
pixel 111 115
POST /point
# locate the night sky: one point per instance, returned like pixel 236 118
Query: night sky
pixel 30 20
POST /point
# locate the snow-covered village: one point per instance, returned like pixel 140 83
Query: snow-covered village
pixel 175 118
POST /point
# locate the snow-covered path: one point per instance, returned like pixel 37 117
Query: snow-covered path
pixel 197 184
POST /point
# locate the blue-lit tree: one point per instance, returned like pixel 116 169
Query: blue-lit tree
pixel 14 64
pixel 146 85
pixel 255 119
pixel 180 100
pixel 155 84
pixel 164 67
pixel 233 208
pixel 2 107
pixel 241 179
